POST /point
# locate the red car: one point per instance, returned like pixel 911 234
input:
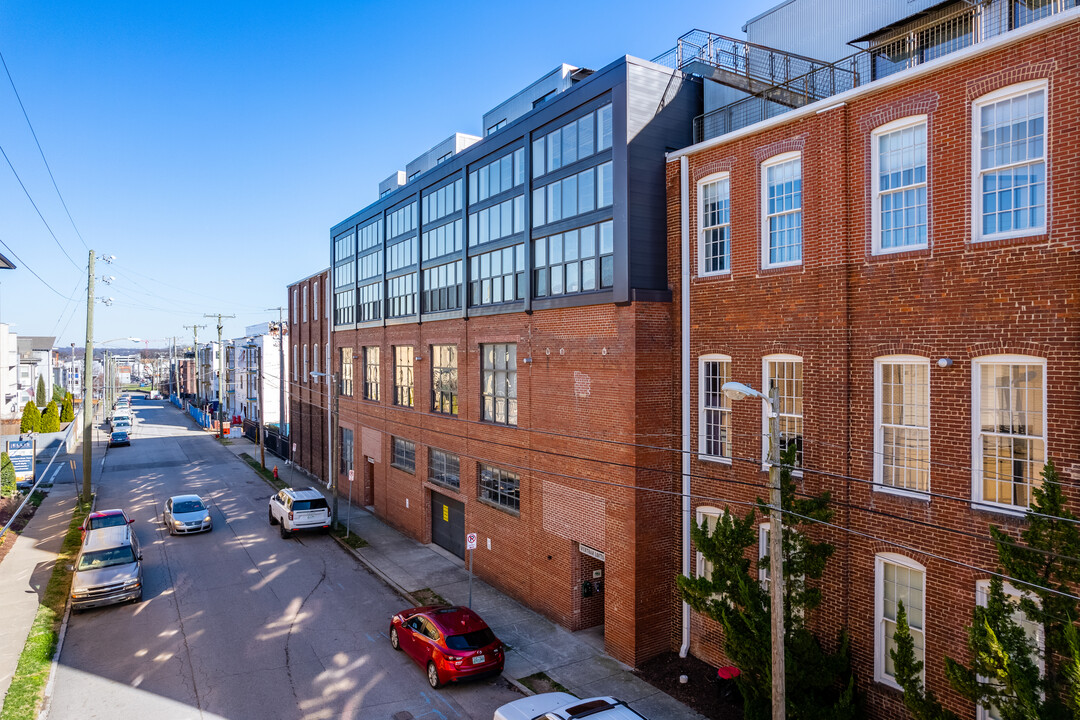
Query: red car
pixel 453 643
pixel 105 518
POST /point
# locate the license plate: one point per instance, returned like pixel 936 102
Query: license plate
pixel 477 659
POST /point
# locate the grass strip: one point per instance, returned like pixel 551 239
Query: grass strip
pixel 427 596
pixel 353 540
pixel 541 683
pixel 265 473
pixel 24 697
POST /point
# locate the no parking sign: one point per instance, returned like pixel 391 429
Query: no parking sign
pixel 470 541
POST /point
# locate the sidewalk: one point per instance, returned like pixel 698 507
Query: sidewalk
pixel 574 660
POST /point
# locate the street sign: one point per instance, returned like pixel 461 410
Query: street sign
pixel 352 473
pixel 470 541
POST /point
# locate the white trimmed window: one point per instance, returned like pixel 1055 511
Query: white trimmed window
pixel 714 419
pixel 304 378
pixel 707 517
pixel 1009 428
pixel 315 361
pixel 714 221
pixel 762 554
pixel 295 305
pixel 897 579
pixel 781 201
pixel 315 301
pixel 902 423
pixel 295 364
pixel 304 315
pixel 898 171
pixel 1009 156
pixel 785 373
pixel 1033 630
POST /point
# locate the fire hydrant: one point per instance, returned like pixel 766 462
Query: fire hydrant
pixel 275 472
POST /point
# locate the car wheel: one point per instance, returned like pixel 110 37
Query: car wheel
pixel 284 533
pixel 433 675
pixel 270 516
pixel 394 639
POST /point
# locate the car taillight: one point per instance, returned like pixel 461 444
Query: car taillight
pixel 452 658
pixel 290 514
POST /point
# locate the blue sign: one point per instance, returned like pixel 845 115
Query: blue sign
pixel 21 453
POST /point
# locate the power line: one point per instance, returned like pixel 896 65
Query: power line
pixel 31 270
pixel 37 209
pixel 36 142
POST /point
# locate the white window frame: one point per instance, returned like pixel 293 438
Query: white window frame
pixel 295 305
pixel 976 163
pixel 982 592
pixel 315 361
pixel 879 429
pixel 295 362
pixel 304 378
pixel 763 550
pixel 703 512
pixel 765 217
pixel 724 409
pixel 880 644
pixel 875 180
pixel 977 365
pixel 304 316
pixel 711 179
pixel 315 301
pixel 779 357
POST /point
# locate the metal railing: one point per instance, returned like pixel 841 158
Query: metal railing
pixel 904 47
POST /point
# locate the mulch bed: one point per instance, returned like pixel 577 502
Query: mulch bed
pixel 702 692
pixel 7 507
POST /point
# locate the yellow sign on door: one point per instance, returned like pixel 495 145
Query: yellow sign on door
pixel 446 513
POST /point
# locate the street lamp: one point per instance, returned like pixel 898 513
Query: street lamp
pixel 333 378
pixel 739 391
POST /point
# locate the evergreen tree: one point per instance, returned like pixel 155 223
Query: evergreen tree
pixel 50 421
pixel 41 390
pixel 907 670
pixel 67 413
pixel 31 418
pixel 819 684
pixel 7 476
pixel 59 393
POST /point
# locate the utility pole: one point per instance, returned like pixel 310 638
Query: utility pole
pixel 195 330
pixel 776 560
pixel 281 371
pixel 262 415
pixel 88 384
pixel 221 373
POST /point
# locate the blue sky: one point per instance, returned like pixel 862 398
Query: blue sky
pixel 211 146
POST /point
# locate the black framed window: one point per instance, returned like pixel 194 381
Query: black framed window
pixel 444 468
pixel 404 454
pixel 444 379
pixel 499 383
pixel 500 487
pixel 581 260
pixel 346 446
pixel 498 276
pixel 371 373
pixel 442 287
pixel 403 375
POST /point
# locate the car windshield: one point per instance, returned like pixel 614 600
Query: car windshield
pixel 318 504
pixel 106 558
pixel 187 506
pixel 107 521
pixel 471 641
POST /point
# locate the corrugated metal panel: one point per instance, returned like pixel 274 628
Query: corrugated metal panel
pixel 521 103
pixel 822 29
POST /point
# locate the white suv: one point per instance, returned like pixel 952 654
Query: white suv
pixel 304 509
pixel 562 706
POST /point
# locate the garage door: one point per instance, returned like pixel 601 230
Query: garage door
pixel 448 524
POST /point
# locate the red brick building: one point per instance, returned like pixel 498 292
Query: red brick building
pixel 308 398
pixel 902 262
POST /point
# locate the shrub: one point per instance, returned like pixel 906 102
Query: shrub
pixel 50 421
pixel 7 476
pixel 31 418
pixel 67 413
pixel 59 393
pixel 40 390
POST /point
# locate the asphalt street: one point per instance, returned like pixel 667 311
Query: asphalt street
pixel 237 622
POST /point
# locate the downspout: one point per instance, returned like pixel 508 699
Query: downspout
pixel 684 300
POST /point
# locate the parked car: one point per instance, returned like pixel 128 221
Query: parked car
pixel 304 509
pixel 562 706
pixel 106 518
pixel 186 514
pixel 118 438
pixel 108 568
pixel 452 643
pixel 122 425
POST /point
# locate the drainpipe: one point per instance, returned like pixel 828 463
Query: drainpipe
pixel 684 300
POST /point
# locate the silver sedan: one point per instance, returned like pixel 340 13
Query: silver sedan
pixel 186 514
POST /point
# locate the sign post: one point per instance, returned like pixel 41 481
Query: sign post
pixel 470 545
pixel 348 519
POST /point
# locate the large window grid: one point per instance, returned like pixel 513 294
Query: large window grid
pixel 714 420
pixel 781 180
pixel 500 487
pixel 404 454
pixel 442 240
pixel 1010 162
pixel 900 185
pixel 401 221
pixel 344 246
pixel 401 295
pixel 371 373
pixel 403 375
pixel 345 307
pixel 497 276
pixel 707 518
pixel 444 468
pixel 902 424
pixel 499 383
pixel 371 265
pixel 898 579
pixel 442 287
pixel 714 203
pixel 1010 429
pixel 583 192
pixel 497 176
pixel 498 221
pixel 442 202
pixel 370 302
pixel 345 274
pixel 444 379
pixel 345 371
pixel 401 255
pixel 369 236
pixel 579 260
pixel 784 372
pixel 574 141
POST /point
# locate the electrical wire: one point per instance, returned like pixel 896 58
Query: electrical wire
pixel 31 271
pixel 37 209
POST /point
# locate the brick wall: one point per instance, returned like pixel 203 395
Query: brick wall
pixel 843 307
pixel 307 397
